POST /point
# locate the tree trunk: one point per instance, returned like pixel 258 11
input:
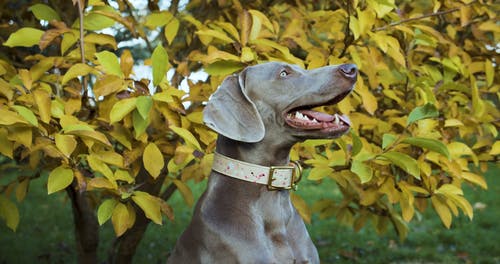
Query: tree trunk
pixel 86 226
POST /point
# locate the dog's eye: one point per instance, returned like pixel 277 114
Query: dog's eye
pixel 283 73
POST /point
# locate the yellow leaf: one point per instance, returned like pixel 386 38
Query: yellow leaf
pixel 120 219
pixel 93 135
pixel 302 207
pixel 107 85
pixel 123 175
pixel 452 122
pixel 42 101
pixel 131 215
pixel 171 29
pixel 247 54
pixel 110 157
pixel 10 118
pixel 442 210
pixel 21 135
pixel 22 189
pixel 490 72
pixel 458 149
pixel 100 39
pixel 99 182
pixel 78 69
pixel 153 160
pixel 220 35
pixel 448 189
pixel 354 27
pixel 27 114
pixel 187 136
pixel 495 149
pixel 369 101
pixel 65 143
pixel 98 166
pixel 25 76
pixel 318 173
pixel 60 178
pixel 475 179
pixel 126 62
pixel 185 192
pixel 149 205
pixel 9 212
pixel 121 109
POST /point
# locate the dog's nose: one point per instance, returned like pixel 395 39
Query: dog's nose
pixel 350 71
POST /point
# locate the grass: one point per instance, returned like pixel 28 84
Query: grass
pixel 45 233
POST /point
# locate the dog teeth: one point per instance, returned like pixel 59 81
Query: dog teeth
pixel 314 120
pixel 336 120
pixel 300 116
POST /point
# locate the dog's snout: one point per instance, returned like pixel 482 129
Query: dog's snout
pixel 350 71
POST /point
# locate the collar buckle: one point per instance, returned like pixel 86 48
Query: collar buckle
pixel 284 177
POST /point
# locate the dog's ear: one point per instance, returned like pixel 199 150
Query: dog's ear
pixel 232 114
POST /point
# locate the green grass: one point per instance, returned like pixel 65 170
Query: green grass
pixel 45 233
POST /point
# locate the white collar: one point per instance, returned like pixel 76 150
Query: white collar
pixel 283 177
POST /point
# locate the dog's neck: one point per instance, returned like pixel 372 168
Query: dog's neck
pixel 262 153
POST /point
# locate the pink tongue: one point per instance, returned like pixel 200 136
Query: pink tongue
pixel 323 117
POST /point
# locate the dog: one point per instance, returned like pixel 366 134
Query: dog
pixel 245 215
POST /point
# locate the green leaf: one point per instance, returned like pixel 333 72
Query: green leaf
pixel 422 112
pixel 105 210
pixel 403 161
pixel 357 144
pixel 27 114
pixel 430 144
pixel 220 68
pixel 121 109
pixel 387 140
pixel 187 136
pixel 158 19
pixel 60 178
pixel 24 37
pixel 144 104
pixel 44 12
pixel 160 64
pixel 110 63
pixel 94 22
pixel 153 160
pixel 140 124
pixel 149 204
pixel 9 212
pixel 364 171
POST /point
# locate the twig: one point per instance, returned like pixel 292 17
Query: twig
pixel 420 17
pixel 82 49
pixel 129 9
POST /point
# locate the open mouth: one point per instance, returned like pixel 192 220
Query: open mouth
pixel 305 118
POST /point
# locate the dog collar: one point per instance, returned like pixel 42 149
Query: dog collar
pixel 274 177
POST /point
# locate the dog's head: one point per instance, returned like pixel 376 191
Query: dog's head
pixel 278 98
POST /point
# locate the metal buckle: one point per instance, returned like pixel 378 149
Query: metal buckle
pixel 270 185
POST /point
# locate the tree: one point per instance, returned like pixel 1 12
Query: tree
pixel 424 109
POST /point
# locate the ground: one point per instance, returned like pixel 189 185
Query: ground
pixel 45 233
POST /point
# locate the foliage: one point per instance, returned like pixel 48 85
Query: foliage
pixel 424 107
